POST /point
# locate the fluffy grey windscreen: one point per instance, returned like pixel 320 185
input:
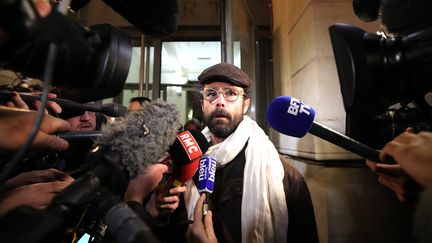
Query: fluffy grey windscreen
pixel 142 136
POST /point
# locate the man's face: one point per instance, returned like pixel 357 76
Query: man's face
pixel 222 116
pixel 134 105
pixel 85 122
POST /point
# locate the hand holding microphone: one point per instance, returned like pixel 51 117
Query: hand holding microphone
pixel 201 231
pixel 292 117
pixel 202 227
pixel 185 153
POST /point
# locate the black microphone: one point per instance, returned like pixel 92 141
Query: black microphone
pixel 72 108
pixel 80 136
pixel 292 117
pixel 152 17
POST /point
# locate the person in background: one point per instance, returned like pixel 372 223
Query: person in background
pixel 137 102
pixel 192 124
pixel 84 122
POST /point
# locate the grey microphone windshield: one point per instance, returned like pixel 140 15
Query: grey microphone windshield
pixel 142 136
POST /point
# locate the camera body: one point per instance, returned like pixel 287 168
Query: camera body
pixel 385 82
pixel 91 63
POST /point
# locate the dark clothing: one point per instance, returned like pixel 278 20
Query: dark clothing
pixel 302 225
pixel 225 203
pixel 227 197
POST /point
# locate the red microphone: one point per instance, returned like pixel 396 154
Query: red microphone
pixel 186 153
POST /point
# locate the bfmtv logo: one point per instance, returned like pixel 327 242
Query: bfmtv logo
pixel 296 106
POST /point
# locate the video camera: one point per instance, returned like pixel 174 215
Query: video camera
pixel 91 64
pixel 385 82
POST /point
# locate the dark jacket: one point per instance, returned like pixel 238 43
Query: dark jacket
pixel 227 197
pixel 225 203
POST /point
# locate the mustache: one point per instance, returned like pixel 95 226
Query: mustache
pixel 220 112
pixel 86 124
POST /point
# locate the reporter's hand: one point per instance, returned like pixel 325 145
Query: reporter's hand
pixel 395 179
pixel 53 106
pixel 37 176
pixel 142 185
pixel 43 7
pixel 16 125
pixel 201 232
pixel 414 154
pixel 16 101
pixel 160 200
pixel 38 195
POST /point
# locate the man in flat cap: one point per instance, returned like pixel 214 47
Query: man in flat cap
pixel 254 188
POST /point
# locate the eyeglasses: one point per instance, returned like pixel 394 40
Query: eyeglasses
pixel 229 94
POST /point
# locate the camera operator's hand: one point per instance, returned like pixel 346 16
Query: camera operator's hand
pixel 201 231
pixel 37 195
pixel 414 154
pixel 16 125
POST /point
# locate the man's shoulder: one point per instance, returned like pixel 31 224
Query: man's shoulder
pixel 288 166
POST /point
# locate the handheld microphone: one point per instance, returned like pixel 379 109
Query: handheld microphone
pixel 127 148
pixel 292 117
pixel 142 136
pixel 80 136
pixel 206 178
pixel 186 152
pixel 72 108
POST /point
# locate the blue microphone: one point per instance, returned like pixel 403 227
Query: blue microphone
pixel 206 178
pixel 292 117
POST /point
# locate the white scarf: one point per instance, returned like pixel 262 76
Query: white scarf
pixel 264 215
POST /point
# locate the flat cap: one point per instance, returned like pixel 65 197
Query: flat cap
pixel 225 72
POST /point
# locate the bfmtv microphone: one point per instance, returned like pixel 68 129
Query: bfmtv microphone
pixel 206 178
pixel 292 117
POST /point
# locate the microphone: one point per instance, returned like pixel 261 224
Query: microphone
pixel 72 108
pixel 206 178
pixel 292 117
pixel 186 152
pixel 142 136
pixel 155 18
pixel 80 136
pixel 127 148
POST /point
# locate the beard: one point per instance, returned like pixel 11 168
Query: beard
pixel 220 127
